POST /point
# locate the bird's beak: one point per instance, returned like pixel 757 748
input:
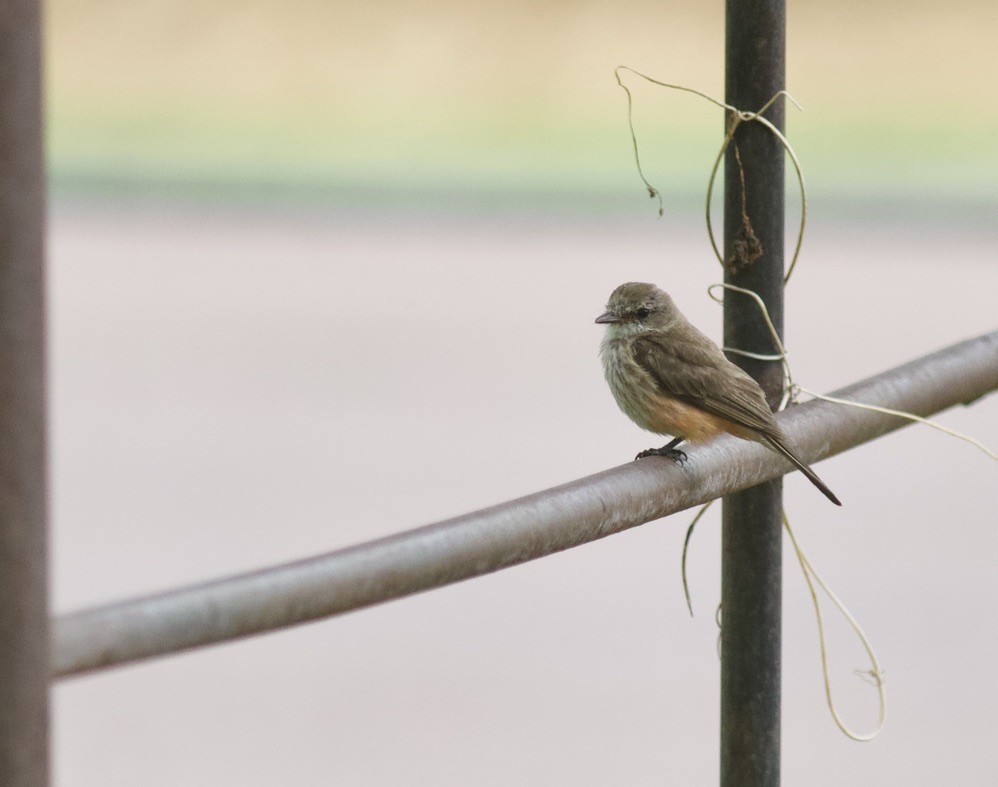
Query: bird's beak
pixel 606 317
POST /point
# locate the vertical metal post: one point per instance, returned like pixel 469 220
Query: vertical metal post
pixel 751 592
pixel 24 652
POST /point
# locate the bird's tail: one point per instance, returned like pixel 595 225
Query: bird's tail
pixel 801 465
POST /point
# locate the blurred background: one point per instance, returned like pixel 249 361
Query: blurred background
pixel 320 273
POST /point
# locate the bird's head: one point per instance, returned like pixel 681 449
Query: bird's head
pixel 635 307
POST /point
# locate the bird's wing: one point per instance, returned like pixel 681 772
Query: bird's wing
pixel 698 374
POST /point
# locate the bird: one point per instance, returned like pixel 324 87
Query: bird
pixel 671 379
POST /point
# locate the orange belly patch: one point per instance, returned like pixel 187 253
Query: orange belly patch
pixel 669 416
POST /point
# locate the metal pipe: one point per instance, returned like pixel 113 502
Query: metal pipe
pixel 24 672
pixel 751 536
pixel 510 533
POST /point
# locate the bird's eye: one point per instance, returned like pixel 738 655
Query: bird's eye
pixel 642 312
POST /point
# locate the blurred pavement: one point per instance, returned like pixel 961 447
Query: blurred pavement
pixel 235 387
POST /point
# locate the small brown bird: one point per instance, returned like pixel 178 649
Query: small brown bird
pixel 670 379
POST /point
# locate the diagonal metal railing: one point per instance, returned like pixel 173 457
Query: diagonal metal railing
pixel 513 532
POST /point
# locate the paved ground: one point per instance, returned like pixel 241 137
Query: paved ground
pixel 233 388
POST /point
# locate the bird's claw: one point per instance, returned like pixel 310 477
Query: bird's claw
pixel 677 456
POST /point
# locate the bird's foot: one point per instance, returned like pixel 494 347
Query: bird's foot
pixel 677 456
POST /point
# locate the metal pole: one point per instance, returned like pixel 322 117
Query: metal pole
pixel 751 537
pixel 512 532
pixel 23 604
